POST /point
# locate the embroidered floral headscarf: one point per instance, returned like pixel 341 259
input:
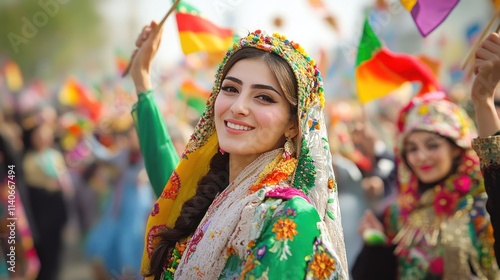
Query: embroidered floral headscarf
pixel 314 172
pixel 463 190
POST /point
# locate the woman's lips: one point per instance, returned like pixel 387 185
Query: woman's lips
pixel 426 167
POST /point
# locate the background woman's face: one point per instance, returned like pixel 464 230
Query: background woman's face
pixel 429 155
pixel 43 137
pixel 252 114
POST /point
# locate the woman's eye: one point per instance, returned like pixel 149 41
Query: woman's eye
pixel 229 89
pixel 266 98
pixel 433 146
pixel 411 150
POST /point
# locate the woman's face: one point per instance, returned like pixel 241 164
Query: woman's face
pixel 429 155
pixel 43 137
pixel 252 114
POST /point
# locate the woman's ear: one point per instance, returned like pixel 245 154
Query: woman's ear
pixel 293 130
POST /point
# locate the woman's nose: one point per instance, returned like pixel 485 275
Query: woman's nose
pixel 421 154
pixel 240 105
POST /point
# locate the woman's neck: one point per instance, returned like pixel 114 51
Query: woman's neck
pixel 237 163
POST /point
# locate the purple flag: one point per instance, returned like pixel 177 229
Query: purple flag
pixel 429 14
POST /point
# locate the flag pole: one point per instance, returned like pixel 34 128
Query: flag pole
pixel 174 6
pixel 470 56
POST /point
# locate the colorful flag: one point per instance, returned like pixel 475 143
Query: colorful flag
pixel 121 62
pixel 433 63
pixel 198 34
pixel 76 95
pixel 429 14
pixel 380 71
pixel 13 76
pixel 194 96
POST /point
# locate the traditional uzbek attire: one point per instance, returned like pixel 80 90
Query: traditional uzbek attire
pixel 279 219
pixel 440 231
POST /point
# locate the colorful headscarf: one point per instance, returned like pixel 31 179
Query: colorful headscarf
pixel 314 172
pixel 462 190
pixel 433 112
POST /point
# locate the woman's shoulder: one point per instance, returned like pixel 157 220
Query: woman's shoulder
pixel 294 201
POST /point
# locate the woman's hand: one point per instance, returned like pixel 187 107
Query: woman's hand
pixel 487 69
pixel 369 221
pixel 373 187
pixel 147 44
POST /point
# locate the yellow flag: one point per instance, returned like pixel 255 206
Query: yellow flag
pixel 13 76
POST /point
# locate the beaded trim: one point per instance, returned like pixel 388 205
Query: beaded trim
pixel 304 67
pixel 488 150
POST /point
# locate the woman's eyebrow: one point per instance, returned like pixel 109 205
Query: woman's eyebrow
pixel 256 86
pixel 236 80
pixel 260 86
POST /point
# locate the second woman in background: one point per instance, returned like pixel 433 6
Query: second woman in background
pixel 438 226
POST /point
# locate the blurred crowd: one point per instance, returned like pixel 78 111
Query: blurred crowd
pixel 71 164
pixel 76 170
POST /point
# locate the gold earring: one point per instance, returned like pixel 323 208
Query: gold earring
pixel 289 149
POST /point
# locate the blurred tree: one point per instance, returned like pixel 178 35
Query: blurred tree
pixel 48 38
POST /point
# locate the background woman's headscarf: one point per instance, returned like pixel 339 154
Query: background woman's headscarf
pixel 462 191
pixel 434 113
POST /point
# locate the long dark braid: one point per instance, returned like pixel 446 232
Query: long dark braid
pixel 192 212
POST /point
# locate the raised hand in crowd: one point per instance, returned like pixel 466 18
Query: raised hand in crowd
pixel 147 45
pixel 487 69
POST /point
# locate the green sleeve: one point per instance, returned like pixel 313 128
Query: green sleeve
pixel 287 245
pixel 160 156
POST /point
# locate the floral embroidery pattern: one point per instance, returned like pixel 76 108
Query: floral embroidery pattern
pixel 285 229
pixel 249 264
pixel 323 266
pixel 152 239
pixel 445 202
pixel 156 209
pixel 313 124
pixel 282 171
pixel 463 184
pixel 290 212
pixel 261 252
pixel 170 192
pixel 437 266
pixel 331 183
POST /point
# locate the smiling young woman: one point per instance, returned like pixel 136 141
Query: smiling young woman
pixel 254 193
